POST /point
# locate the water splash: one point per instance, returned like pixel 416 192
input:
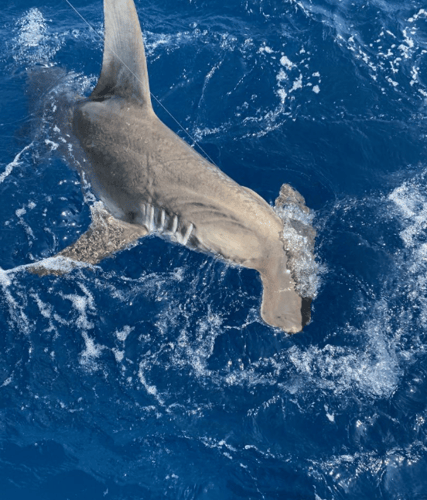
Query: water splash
pixel 298 240
pixel 33 44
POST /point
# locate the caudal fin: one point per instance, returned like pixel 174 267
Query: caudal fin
pixel 124 67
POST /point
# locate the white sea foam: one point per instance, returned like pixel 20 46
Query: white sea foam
pixel 32 43
pixel 123 334
pixel 374 371
pixel 285 61
pixel 4 278
pixel 411 202
pixel 420 13
pixel 200 133
pixel 18 320
pixel 15 163
pixel 58 264
pixel 45 309
pixel 119 355
pixel 150 388
pixel 83 304
pixel 6 382
pixel 91 353
pixel 266 48
pixel 170 42
pixel 292 77
pixel 393 56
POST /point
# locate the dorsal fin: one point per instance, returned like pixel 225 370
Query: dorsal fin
pixel 124 68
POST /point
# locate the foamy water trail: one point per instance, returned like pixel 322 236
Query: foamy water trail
pixel 15 163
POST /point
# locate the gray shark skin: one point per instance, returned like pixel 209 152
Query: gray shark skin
pixel 149 180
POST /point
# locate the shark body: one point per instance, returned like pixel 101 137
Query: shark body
pixel 150 180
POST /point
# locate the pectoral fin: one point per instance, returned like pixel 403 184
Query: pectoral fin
pixel 105 236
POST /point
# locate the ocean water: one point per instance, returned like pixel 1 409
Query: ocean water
pixel 152 375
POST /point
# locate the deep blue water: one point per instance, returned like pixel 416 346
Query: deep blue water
pixel 153 376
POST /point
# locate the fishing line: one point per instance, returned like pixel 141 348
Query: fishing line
pixel 136 77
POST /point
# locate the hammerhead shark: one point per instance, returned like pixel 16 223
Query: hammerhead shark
pixel 151 181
